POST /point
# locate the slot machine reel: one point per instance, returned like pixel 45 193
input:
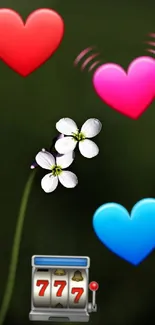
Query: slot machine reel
pixel 92 306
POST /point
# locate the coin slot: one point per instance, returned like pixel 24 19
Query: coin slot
pixel 59 319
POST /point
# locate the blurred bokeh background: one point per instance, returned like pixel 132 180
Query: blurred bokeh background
pixel 124 171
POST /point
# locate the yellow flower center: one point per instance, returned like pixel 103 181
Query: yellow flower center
pixel 56 170
pixel 79 136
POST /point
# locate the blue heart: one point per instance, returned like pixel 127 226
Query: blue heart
pixel 130 237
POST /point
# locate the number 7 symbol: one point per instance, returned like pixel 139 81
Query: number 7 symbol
pixel 79 292
pixel 61 285
pixel 44 284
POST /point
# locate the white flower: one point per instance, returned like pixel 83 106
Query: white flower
pixel 68 127
pixel 50 181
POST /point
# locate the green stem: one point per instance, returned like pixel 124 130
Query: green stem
pixel 15 250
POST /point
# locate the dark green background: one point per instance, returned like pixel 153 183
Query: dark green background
pixel 124 171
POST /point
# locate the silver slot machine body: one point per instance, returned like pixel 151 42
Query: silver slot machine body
pixel 60 286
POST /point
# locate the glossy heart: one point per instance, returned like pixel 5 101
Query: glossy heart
pixel 131 92
pixel 25 47
pixel 132 237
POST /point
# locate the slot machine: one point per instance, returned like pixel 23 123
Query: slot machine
pixel 60 288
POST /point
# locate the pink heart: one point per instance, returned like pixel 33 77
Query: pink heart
pixel 131 92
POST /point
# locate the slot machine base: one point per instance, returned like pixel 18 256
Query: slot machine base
pixel 71 316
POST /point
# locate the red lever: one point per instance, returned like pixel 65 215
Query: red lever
pixel 93 286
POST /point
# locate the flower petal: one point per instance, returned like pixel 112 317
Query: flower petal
pixel 49 183
pixel 66 126
pixel 65 160
pixel 88 148
pixel 45 159
pixel 65 145
pixel 68 179
pixel 91 127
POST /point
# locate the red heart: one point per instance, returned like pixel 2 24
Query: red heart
pixel 25 47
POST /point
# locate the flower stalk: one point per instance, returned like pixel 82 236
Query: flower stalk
pixel 15 250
